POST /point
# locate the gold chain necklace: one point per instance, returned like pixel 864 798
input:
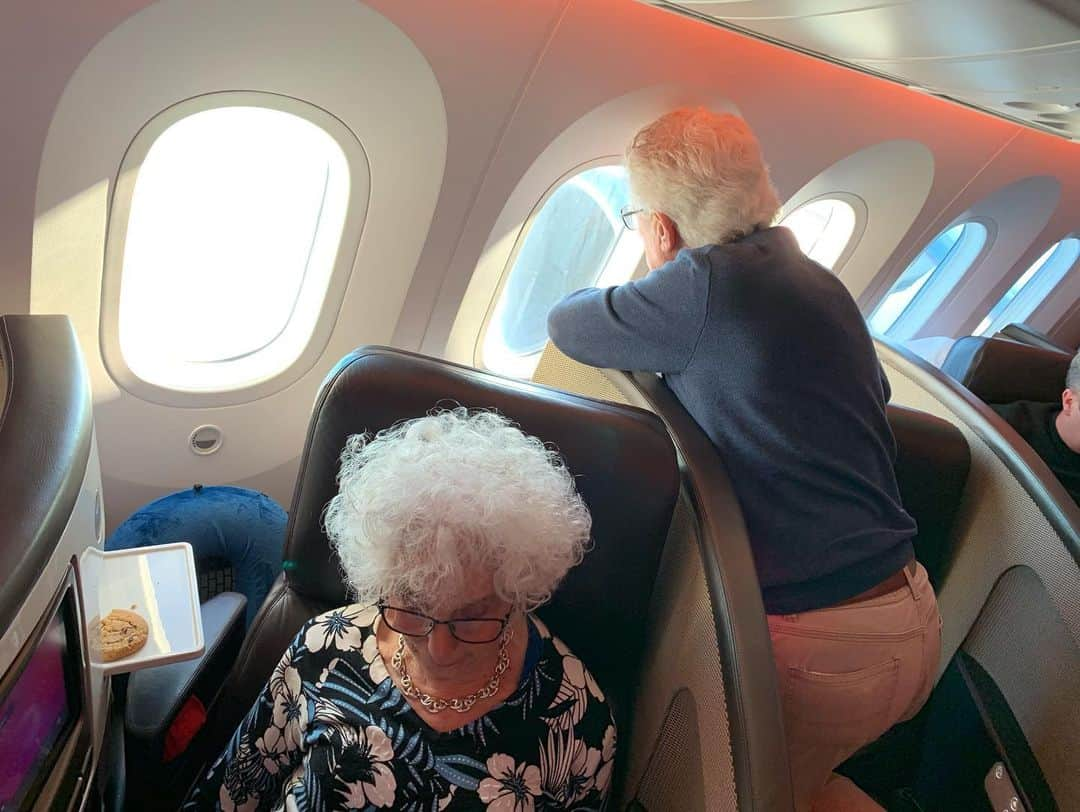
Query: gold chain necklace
pixel 434 704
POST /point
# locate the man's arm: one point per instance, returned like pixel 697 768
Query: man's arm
pixel 652 324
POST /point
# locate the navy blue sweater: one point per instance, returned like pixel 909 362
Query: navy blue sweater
pixel 770 355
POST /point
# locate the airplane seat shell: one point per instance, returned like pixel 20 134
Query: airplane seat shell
pixel 50 512
pixel 1010 593
pixel 625 468
pixel 997 370
pixel 725 706
pixel 46 430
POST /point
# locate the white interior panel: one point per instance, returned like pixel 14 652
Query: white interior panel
pixel 337 55
pixel 891 180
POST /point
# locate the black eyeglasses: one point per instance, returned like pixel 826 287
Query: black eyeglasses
pixel 628 213
pixel 465 629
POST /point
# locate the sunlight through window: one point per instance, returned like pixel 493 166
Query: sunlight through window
pixel 1033 286
pixel 236 217
pixel 576 240
pixel 823 229
pixel 927 280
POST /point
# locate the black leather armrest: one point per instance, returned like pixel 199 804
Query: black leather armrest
pixel 155 695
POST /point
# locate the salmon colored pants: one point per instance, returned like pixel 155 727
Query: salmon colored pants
pixel 846 675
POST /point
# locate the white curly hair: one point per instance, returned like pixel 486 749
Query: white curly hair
pixel 426 502
pixel 705 171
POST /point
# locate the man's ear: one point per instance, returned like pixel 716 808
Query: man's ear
pixel 1068 402
pixel 667 232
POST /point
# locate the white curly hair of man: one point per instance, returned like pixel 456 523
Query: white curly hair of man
pixel 424 504
pixel 705 171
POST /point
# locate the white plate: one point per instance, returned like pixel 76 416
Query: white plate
pixel 158 583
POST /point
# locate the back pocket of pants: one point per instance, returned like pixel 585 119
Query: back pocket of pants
pixel 846 708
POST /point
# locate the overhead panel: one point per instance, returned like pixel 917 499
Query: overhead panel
pixel 1018 59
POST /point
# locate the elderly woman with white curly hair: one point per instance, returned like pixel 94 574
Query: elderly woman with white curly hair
pixel 438 689
pixel 769 353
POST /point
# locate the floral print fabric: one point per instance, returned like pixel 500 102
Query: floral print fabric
pixel 331 731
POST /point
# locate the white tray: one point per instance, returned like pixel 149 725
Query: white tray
pixel 157 582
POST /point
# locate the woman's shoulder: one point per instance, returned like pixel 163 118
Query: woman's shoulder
pixel 576 684
pixel 578 725
pixel 340 630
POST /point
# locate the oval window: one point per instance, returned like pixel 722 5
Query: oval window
pixel 926 282
pixel 823 229
pixel 235 220
pixel 576 240
pixel 1033 286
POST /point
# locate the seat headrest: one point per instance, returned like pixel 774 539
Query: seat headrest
pixel 1029 335
pixel 622 459
pixel 932 462
pixel 999 371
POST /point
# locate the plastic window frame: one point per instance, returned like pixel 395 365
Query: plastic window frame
pixel 944 279
pixel 862 217
pixel 116 231
pixel 525 365
pixel 1028 299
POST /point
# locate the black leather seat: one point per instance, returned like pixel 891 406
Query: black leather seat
pixel 932 463
pixel 996 370
pixel 758 748
pixel 46 430
pixel 1029 335
pixel 625 469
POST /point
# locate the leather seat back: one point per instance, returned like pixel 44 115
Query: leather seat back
pixel 932 462
pixel 996 370
pixel 624 465
pixel 1029 335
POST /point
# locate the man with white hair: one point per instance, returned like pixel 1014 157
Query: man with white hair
pixel 1053 430
pixel 771 356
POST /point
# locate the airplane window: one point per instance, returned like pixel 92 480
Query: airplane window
pixel 823 228
pixel 927 281
pixel 1032 287
pixel 576 240
pixel 233 233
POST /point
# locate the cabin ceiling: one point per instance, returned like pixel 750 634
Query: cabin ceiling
pixel 1017 59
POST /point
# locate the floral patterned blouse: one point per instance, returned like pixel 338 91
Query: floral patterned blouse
pixel 331 731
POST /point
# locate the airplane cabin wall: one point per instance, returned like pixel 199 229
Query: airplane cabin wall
pixel 513 77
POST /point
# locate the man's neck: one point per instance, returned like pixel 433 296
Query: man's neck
pixel 1063 430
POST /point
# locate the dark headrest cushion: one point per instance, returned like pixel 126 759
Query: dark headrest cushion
pixel 1029 335
pixel 622 459
pixel 932 461
pixel 999 371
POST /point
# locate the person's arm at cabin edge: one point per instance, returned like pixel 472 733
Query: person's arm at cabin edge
pixel 651 324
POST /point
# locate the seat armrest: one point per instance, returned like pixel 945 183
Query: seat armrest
pixel 156 695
